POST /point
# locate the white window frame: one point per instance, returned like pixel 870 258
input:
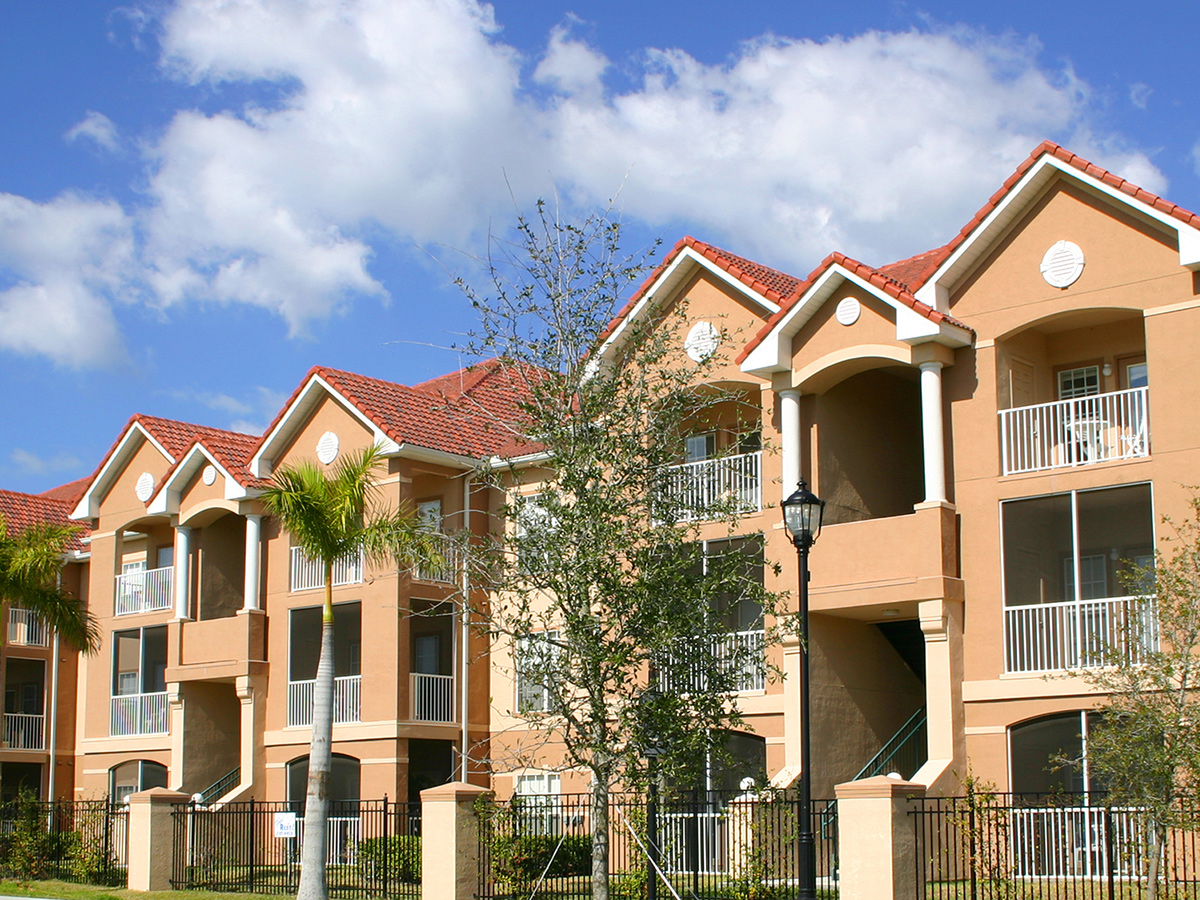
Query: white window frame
pixel 1088 375
pixel 523 691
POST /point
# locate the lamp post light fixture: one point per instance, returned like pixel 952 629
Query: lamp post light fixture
pixel 803 513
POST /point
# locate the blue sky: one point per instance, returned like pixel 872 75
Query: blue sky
pixel 201 199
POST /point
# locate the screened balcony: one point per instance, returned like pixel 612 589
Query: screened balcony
pixel 432 697
pixel 304 651
pixel 24 627
pixel 347 701
pixel 740 655
pixel 308 574
pixel 1075 432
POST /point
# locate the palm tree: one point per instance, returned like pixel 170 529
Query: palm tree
pixel 331 518
pixel 30 561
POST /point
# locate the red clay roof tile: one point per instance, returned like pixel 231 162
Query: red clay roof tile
pixel 20 511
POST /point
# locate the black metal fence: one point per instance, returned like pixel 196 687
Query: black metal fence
pixel 1057 847
pixel 709 845
pixel 82 840
pixel 373 848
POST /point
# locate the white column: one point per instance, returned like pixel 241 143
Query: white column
pixel 932 433
pixel 183 543
pixel 789 424
pixel 250 598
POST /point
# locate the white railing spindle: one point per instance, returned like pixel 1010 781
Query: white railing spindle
pixel 347 701
pixel 25 627
pixel 1075 634
pixel 308 574
pixel 24 731
pixel 146 591
pixel 139 714
pixel 432 697
pixel 732 483
pixel 1078 432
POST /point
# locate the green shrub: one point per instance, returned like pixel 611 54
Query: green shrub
pixel 519 860
pixel 403 858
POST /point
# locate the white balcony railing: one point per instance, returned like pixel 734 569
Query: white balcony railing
pixel 1079 432
pixel 740 653
pixel 343 835
pixel 145 591
pixel 24 731
pixel 1076 842
pixel 447 571
pixel 698 490
pixel 347 701
pixel 139 714
pixel 1076 634
pixel 26 627
pixel 432 697
pixel 309 574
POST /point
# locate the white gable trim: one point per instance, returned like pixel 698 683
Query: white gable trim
pixel 936 290
pixel 670 278
pixel 166 501
pixel 773 354
pixel 89 504
pixel 260 463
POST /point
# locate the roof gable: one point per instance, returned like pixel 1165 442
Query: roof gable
pixel 949 264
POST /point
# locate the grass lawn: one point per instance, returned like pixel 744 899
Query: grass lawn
pixel 69 891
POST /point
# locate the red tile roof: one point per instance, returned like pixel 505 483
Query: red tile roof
pixel 69 493
pixel 231 449
pixel 20 511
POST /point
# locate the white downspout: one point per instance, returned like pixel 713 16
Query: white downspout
pixel 464 695
pixel 53 722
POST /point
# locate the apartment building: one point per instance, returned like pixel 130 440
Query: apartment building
pixel 210 619
pixel 980 423
pixel 978 418
pixel 37 745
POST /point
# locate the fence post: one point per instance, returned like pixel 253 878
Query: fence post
pixel 386 849
pixel 450 837
pixel 877 854
pixel 151 837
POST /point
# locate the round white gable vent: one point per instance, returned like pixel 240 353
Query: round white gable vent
pixel 209 475
pixel 848 310
pixel 144 486
pixel 702 341
pixel 1062 265
pixel 327 448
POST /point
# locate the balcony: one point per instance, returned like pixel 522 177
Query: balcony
pixel 216 648
pixel 451 562
pixel 711 487
pixel 1079 432
pixel 347 701
pixel 432 697
pixel 740 653
pixel 134 714
pixel 24 731
pixel 25 627
pixel 1076 634
pixel 147 591
pixel 309 574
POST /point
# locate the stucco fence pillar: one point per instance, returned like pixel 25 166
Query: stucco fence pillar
pixel 877 852
pixel 151 836
pixel 450 841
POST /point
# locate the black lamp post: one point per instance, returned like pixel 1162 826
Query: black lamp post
pixel 652 749
pixel 803 513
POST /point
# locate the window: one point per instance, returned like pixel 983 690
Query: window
pixel 343 791
pixel 533 535
pixel 535 659
pixel 429 514
pixel 1039 750
pixel 699 447
pixel 140 661
pixel 1136 375
pixel 133 776
pixel 1074 546
pixel 305 640
pixel 1083 381
pixel 537 803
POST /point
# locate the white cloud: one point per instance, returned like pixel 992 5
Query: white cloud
pixel 99 129
pixel 248 414
pixel 1139 94
pixel 37 465
pixel 410 122
pixel 62 265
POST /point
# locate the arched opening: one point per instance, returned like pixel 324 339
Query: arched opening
pixel 1073 390
pixel 343 784
pixel 869 451
pixel 135 775
pixel 1048 755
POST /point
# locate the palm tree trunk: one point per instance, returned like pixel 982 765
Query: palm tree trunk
pixel 313 885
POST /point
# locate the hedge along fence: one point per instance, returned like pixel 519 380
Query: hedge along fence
pixel 373 848
pixel 82 840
